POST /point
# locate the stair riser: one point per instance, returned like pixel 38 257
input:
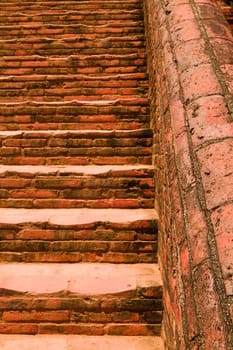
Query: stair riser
pixel 73 62
pixel 113 253
pixel 134 242
pixel 116 20
pixel 67 48
pixel 80 68
pixel 23 51
pixel 67 148
pixel 61 117
pixel 129 313
pixel 9 32
pixel 71 159
pixel 71 5
pixel 141 230
pixel 135 187
pixel 85 94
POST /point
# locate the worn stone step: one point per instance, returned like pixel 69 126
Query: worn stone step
pixel 76 147
pixel 90 299
pixel 67 217
pixel 74 342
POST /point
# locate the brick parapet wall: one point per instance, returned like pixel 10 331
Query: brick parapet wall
pixel 190 62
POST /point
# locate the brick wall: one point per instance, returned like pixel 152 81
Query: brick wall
pixel 190 49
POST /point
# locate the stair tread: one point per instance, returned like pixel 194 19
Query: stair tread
pixel 80 278
pixel 68 217
pixel 78 169
pixel 72 342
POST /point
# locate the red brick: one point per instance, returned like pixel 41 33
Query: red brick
pixel 199 81
pixel 223 50
pixel 184 162
pixel 18 328
pixel 29 234
pixel 190 310
pixel 180 13
pixel 216 164
pixel 223 227
pixel 51 316
pixel 217 29
pixel 82 329
pixel 209 308
pixel 185 31
pixel 197 230
pixel 133 329
pixel 191 53
pixel 209 119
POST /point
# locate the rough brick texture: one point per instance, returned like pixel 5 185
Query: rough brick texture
pixel 190 49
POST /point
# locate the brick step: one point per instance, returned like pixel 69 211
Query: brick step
pixel 19 80
pixel 72 65
pixel 83 17
pixel 68 188
pixel 60 31
pixel 70 46
pixel 68 50
pixel 74 342
pixel 69 5
pixel 90 299
pixel 66 96
pixel 68 21
pixel 119 114
pixel 60 87
pixel 84 94
pixel 95 38
pixel 76 147
pixel 111 235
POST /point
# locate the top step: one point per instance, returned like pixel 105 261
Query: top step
pixel 72 342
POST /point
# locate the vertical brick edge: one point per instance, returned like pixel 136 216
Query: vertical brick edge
pixel 190 50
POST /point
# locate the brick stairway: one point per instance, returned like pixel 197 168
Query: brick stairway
pixel 78 239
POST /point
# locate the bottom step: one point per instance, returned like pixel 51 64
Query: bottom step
pixel 60 342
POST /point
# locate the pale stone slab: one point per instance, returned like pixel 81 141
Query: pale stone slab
pixel 80 278
pixel 79 169
pixel 72 342
pixel 75 216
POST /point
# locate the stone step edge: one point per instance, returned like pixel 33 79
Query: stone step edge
pixel 114 133
pixel 68 217
pixel 78 278
pixel 81 342
pixel 126 101
pixel 72 169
